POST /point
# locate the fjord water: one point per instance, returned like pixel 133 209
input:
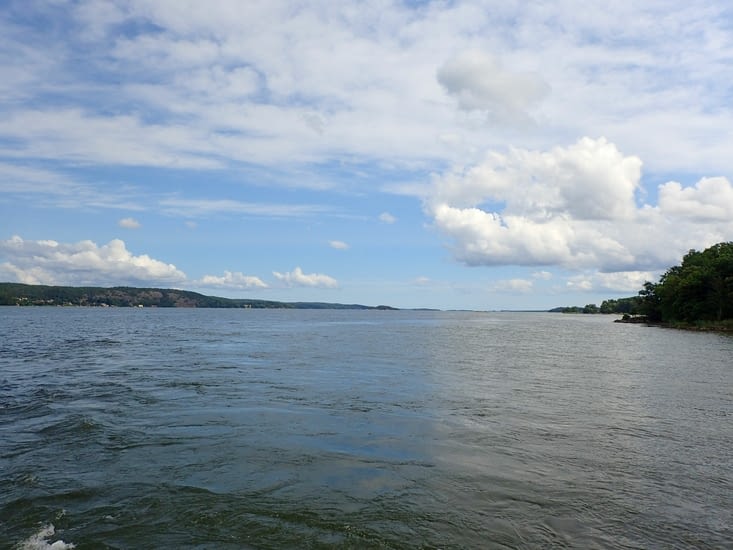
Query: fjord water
pixel 171 428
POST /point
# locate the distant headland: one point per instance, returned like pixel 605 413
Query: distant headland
pixel 18 294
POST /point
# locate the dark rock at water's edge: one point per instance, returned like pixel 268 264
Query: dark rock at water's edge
pixel 18 294
pixel 633 319
pixel 700 326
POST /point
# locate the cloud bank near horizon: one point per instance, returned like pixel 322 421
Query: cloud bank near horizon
pixel 85 263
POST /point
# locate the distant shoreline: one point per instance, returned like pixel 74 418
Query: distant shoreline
pixel 19 294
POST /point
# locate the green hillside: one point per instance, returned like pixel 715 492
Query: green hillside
pixel 17 294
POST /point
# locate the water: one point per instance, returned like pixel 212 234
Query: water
pixel 128 428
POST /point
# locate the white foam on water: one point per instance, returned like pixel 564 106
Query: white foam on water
pixel 39 541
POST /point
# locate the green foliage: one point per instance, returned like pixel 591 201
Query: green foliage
pixel 649 302
pixel 697 293
pixel 629 306
pixel 698 290
pixel 621 305
pixel 567 309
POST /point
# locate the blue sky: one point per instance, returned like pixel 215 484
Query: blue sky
pixel 479 155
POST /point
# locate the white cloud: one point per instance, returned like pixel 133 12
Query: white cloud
pixel 709 200
pixel 231 280
pixel 47 188
pixel 298 278
pixel 82 263
pixel 238 83
pixel 219 89
pixel 580 284
pixel 479 82
pixel 80 136
pixel 516 286
pixel 590 179
pixel 97 17
pixel 24 180
pixel 542 275
pixel 206 207
pixel 386 217
pixel 624 281
pixel 574 207
pixel 628 282
pixel 338 245
pixel 232 83
pixel 129 223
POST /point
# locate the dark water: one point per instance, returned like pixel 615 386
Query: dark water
pixel 126 428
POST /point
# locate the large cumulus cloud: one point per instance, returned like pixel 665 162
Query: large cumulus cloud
pixel 577 207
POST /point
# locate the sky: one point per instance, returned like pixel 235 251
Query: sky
pixel 478 155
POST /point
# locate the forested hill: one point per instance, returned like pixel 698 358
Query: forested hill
pixel 12 294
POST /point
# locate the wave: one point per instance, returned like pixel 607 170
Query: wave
pixel 40 541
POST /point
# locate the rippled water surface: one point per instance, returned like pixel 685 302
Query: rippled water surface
pixel 168 428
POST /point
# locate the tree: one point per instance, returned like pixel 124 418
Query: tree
pixel 700 289
pixel 629 305
pixel 649 305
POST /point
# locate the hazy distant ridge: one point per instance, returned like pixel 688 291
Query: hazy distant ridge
pixel 12 294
